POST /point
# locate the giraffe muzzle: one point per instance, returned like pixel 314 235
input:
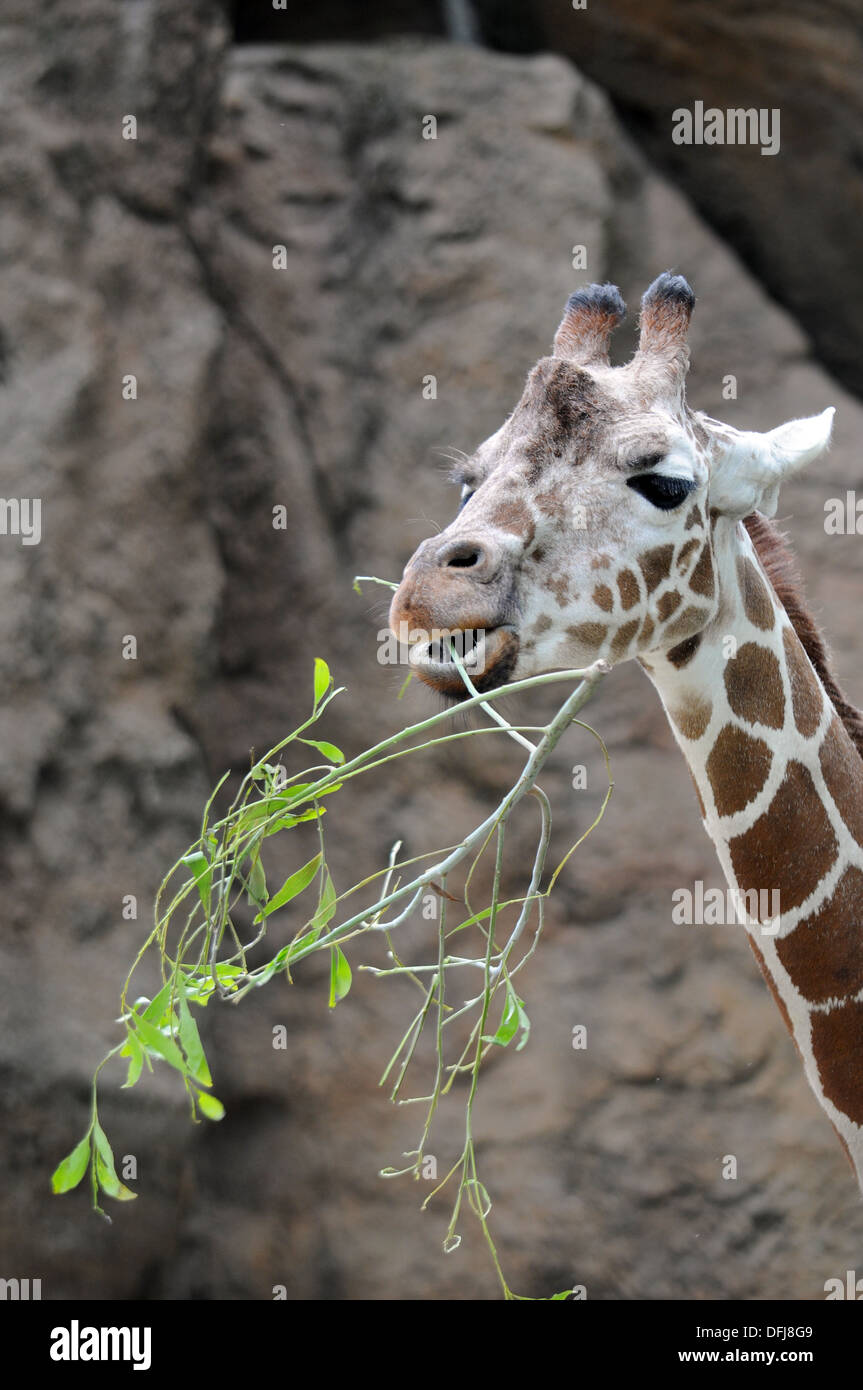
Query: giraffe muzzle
pixel 457 593
pixel 488 657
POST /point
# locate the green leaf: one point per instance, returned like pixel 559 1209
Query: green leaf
pixel 288 822
pixel 200 866
pixel 257 881
pixel 198 988
pixel 263 772
pixel 291 887
pixel 212 1108
pixel 134 1051
pixel 509 1022
pixel 340 975
pixel 111 1184
pixel 258 811
pixel 329 750
pixel 105 1170
pixel 514 1018
pixel 190 1041
pixel 156 1041
pixel 261 812
pixel 158 1011
pixel 326 905
pixel 524 1025
pixel 303 791
pixel 103 1148
pixel 71 1170
pixel 323 679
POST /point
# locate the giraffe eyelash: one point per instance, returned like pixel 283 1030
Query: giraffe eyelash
pixel 462 475
pixel 661 490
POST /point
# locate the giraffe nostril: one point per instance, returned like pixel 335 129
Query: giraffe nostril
pixel 461 555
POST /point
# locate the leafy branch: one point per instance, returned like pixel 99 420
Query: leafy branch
pixel 197 939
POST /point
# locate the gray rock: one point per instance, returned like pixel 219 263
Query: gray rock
pixel 791 216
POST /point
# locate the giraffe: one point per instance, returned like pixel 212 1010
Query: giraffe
pixel 606 519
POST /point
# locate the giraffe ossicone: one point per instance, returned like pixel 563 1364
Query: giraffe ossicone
pixel 607 520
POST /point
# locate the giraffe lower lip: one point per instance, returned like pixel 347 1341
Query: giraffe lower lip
pixel 489 661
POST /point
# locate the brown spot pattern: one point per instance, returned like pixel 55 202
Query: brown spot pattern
pixel 592 634
pixel 701 579
pixel 791 845
pixel 686 551
pixel 694 517
pixel 667 605
pixel 753 683
pixel 603 598
pixel 629 590
pixel 780 568
pixel 542 624
pixel 824 953
pixel 514 517
pixel 537 456
pixel 647 631
pixel 756 599
pixel 806 698
pixel 600 562
pixel 842 767
pixel 837 1042
pixel 689 620
pixel 693 716
pixel 738 767
pixel 550 503
pixel 558 584
pixel 622 638
pixel 565 400
pixel 683 653
pixel 656 565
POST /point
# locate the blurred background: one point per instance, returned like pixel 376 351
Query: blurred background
pixel 404 257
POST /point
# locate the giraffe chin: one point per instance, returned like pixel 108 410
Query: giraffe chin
pixel 499 654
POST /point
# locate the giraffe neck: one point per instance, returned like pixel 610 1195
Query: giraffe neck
pixel 780 785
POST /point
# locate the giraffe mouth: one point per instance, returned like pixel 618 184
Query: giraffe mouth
pixel 488 655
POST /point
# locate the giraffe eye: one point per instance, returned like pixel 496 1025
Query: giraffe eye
pixel 467 493
pixel 663 492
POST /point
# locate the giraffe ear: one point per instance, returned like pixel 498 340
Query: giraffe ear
pixel 590 318
pixel 749 468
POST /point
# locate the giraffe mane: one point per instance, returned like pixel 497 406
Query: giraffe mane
pixel 781 568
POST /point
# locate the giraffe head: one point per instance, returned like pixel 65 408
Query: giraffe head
pixel 586 526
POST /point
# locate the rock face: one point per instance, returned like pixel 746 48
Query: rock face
pixel 788 215
pixel 257 387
